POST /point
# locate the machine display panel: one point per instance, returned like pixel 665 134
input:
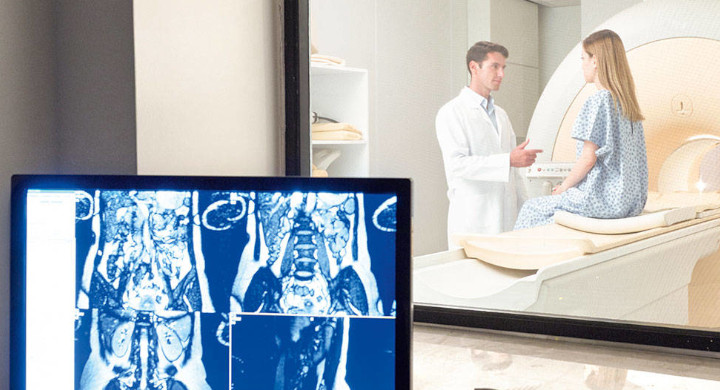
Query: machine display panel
pixel 148 282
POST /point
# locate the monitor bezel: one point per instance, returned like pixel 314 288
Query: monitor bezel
pixel 22 183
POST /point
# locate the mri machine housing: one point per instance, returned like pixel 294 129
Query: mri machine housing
pixel 674 66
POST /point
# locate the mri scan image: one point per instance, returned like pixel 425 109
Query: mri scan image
pixel 309 254
pixel 146 350
pixel 229 289
pixel 302 353
pixel 142 254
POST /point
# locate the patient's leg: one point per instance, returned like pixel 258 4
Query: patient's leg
pixel 537 211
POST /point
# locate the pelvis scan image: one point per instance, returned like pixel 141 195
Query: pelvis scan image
pixel 233 290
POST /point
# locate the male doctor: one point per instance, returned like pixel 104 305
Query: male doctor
pixel 479 151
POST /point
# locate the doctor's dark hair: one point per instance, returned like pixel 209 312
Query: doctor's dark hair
pixel 479 51
pixel 613 70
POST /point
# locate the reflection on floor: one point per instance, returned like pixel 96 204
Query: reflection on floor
pixel 456 358
pixel 704 292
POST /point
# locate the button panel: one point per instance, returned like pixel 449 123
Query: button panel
pixel 549 169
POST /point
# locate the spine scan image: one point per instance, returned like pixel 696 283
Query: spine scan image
pixel 195 290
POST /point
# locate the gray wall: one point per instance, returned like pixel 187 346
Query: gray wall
pixel 27 116
pixel 514 24
pixel 561 28
pixel 559 32
pixel 66 103
pixel 95 87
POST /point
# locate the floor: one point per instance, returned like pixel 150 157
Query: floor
pixel 459 358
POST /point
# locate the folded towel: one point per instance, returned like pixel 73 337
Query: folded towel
pixel 335 132
pixel 322 127
pixel 338 135
pixel 326 59
pixel 318 172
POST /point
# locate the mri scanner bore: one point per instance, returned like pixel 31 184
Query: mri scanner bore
pixel 668 273
pixel 156 308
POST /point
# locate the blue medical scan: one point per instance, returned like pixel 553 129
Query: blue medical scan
pixel 196 290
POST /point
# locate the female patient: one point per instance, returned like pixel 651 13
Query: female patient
pixel 610 177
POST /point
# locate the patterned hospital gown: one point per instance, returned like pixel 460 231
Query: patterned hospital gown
pixel 617 185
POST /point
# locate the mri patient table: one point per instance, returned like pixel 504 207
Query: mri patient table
pixel 641 276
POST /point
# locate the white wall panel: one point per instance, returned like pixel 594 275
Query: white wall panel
pixel 595 12
pixel 206 87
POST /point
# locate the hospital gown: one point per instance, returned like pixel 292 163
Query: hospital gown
pixel 617 185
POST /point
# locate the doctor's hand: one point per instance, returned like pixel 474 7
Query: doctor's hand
pixel 521 157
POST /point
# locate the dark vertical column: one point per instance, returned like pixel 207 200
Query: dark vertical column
pixel 297 88
pixel 95 100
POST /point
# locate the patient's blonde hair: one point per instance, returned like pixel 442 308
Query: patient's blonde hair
pixel 614 71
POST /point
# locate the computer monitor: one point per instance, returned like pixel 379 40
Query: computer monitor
pixel 162 282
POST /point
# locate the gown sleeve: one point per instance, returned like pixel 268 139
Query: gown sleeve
pixel 594 121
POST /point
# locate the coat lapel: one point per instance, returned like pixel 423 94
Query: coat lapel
pixel 474 103
pixel 497 133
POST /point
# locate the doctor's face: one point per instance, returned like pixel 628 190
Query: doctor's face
pixel 490 73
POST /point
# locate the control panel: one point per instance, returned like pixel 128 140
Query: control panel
pixel 549 170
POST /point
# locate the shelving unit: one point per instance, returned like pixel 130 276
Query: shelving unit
pixel 341 93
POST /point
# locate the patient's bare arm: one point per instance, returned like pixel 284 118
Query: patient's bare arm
pixel 580 169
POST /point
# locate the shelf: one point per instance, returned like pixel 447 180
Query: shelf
pixel 326 142
pixel 320 69
pixel 341 93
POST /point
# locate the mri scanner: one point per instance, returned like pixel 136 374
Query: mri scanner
pixel 660 267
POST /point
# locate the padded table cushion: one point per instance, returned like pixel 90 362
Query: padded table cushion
pixel 640 223
pixel 542 246
pixel 534 248
pixel 701 201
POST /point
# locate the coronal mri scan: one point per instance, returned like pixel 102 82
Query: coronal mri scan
pixel 195 290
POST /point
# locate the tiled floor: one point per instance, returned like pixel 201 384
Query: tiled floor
pixel 457 358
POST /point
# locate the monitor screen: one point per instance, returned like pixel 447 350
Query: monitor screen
pixel 174 283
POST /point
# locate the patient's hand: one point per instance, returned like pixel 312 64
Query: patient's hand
pixel 559 189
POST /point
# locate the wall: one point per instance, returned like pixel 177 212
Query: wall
pixel 207 75
pixel 478 21
pixel 514 24
pixel 561 28
pixel 595 12
pixel 27 92
pixel 95 100
pixel 559 32
pixel 421 65
pixel 415 56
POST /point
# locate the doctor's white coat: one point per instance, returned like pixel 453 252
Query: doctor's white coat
pixel 485 193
